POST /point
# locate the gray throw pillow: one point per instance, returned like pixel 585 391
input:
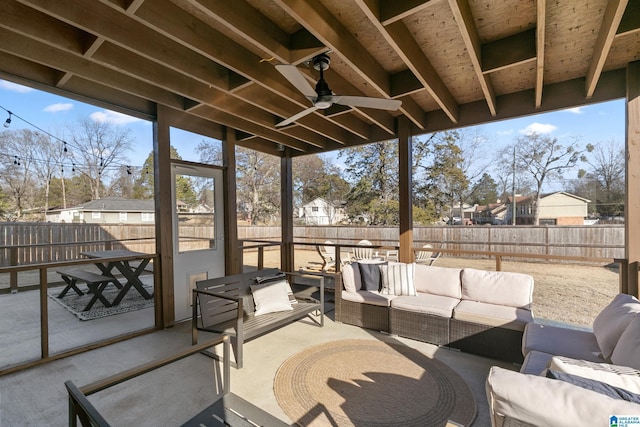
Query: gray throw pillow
pixel 370 276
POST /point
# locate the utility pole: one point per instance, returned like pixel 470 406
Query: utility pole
pixel 513 202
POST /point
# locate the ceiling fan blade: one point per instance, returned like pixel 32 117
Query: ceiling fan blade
pixel 366 102
pixel 297 116
pixel 296 78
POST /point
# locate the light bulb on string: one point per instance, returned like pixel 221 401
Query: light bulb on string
pixel 7 122
pixel 128 170
pixel 16 160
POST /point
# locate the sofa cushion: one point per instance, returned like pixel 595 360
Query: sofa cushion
pixel 398 279
pixel 627 351
pixel 271 297
pixel 497 287
pixel 437 305
pixel 535 362
pixel 368 297
pixel 594 385
pixel 615 375
pixel 613 320
pixel 493 315
pixel 540 401
pixel 561 341
pixel 438 281
pixel 351 277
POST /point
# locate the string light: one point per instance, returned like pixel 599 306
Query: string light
pixel 16 160
pixel 7 122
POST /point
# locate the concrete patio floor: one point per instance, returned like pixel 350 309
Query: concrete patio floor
pixel 37 396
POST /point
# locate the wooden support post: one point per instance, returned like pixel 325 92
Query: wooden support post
pixel 405 159
pixel 498 263
pixel 286 212
pixel 164 307
pixel 44 315
pixel 233 253
pixel 13 276
pixel 632 193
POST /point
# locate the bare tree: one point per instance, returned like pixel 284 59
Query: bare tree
pixel 18 168
pixel 96 147
pixel 541 158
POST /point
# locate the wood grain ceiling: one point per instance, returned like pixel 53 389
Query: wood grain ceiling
pixel 452 63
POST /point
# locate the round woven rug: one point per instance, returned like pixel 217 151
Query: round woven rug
pixel 371 383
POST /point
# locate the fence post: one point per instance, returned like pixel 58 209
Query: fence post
pixel 261 258
pixel 498 263
pixel 13 276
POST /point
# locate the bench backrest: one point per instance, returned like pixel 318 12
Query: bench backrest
pixel 214 310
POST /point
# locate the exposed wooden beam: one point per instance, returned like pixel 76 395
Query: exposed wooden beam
pixel 612 17
pixel 405 45
pixel 630 21
pixel 541 31
pixel 394 10
pixel 632 178
pixel 509 51
pixel 464 18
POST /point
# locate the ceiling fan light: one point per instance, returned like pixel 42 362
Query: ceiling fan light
pixel 323 105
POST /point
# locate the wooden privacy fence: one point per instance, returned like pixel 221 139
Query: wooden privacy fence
pixel 28 243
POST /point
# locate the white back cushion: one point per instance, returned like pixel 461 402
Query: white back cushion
pixel 497 287
pixel 613 320
pixel 438 280
pixel 351 277
pixel 627 351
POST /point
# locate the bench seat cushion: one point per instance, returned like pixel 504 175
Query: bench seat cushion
pixel 443 281
pixel 535 363
pixel 437 305
pixel 497 287
pixel 368 297
pixel 493 315
pixel 574 343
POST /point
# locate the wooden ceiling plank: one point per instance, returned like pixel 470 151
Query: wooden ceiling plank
pixel 541 31
pixel 464 19
pixel 315 17
pixel 612 17
pixel 245 21
pixel 394 10
pixel 405 44
pixel 414 112
pixel 303 46
pixel 67 62
pixel 405 83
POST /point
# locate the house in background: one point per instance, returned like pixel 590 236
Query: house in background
pixel 321 212
pixel 558 208
pixel 492 213
pixel 110 210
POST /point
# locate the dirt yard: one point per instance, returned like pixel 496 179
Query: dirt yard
pixel 562 292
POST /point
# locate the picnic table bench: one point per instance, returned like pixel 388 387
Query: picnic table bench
pixel 225 305
pixel 95 282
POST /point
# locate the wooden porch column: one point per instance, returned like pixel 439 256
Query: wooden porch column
pixel 286 209
pixel 164 307
pixel 232 259
pixel 405 160
pixel 632 202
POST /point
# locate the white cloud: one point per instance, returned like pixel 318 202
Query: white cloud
pixel 55 108
pixel 14 87
pixel 539 128
pixel 108 116
pixel 505 132
pixel 575 110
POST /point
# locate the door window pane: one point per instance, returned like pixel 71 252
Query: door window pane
pixel 195 212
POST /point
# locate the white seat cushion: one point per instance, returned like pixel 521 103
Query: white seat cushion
pixel 615 375
pixel 560 341
pixel 497 287
pixel 609 325
pixel 368 297
pixel 425 303
pixel 438 281
pixel 493 315
pixel 535 362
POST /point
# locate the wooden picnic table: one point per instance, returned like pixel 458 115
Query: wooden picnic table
pixel 131 272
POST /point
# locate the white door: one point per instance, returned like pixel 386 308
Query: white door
pixel 198 224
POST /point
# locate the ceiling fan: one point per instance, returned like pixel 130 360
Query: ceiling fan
pixel 322 97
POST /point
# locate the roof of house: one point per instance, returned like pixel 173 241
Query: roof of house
pixel 115 204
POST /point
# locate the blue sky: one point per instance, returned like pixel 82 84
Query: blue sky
pixel 55 114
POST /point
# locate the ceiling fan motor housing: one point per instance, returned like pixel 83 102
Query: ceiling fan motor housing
pixel 321 63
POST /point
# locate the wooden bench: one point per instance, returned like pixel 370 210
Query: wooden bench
pixel 227 408
pixel 95 282
pixel 225 305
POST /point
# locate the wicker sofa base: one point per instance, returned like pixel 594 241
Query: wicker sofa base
pixel 419 326
pixel 367 316
pixel 484 340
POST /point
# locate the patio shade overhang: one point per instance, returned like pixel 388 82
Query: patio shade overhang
pixel 452 63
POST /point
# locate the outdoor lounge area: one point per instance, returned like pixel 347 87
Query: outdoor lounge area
pixel 289 79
